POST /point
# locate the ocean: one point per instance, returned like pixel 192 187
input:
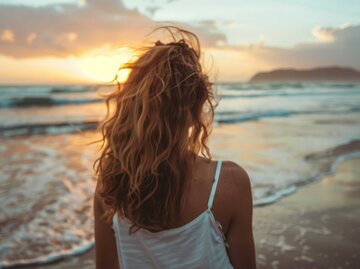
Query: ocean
pixel 281 133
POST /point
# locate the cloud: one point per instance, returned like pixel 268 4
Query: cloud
pixel 64 30
pixel 333 46
pixel 230 24
pixel 73 29
pixel 152 10
pixel 30 38
pixel 7 36
pixel 328 34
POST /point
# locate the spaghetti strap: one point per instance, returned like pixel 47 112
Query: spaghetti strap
pixel 214 185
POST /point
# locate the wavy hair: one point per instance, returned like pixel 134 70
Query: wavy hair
pixel 158 121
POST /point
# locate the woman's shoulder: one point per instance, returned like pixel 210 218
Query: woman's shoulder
pixel 235 174
pixel 234 197
pixel 231 174
pixel 236 180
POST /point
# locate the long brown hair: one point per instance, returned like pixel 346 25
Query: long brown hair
pixel 159 121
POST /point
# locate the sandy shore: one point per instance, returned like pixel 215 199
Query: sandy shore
pixel 317 227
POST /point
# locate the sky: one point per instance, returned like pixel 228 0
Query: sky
pixel 85 41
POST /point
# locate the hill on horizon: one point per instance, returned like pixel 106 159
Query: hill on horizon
pixel 333 73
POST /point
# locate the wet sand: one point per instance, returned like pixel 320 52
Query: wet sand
pixel 317 227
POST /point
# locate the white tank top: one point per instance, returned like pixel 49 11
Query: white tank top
pixel 197 244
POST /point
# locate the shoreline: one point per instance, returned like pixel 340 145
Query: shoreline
pixel 329 159
pixel 339 155
pixel 316 228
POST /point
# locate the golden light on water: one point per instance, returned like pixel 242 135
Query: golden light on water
pixel 102 67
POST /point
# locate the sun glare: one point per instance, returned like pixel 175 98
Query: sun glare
pixel 101 67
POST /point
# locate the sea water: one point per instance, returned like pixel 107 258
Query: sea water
pixel 281 134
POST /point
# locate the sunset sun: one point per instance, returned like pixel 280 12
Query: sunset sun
pixel 101 67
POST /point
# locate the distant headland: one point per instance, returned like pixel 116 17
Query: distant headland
pixel 333 73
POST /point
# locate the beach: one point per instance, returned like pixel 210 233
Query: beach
pixel 318 227
pixel 299 144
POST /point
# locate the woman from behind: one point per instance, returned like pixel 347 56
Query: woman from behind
pixel 160 201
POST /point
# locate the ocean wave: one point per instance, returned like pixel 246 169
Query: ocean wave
pixel 237 117
pixel 53 100
pixel 234 117
pixel 74 89
pixel 273 196
pixel 288 85
pixel 288 93
pixel 47 128
pixel 36 90
pixel 28 101
pixel 76 250
pixel 47 205
pixel 53 128
pixel 228 117
pixel 221 117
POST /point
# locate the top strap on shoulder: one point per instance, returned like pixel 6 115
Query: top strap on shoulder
pixel 214 185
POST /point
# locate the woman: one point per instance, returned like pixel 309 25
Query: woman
pixel 160 201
